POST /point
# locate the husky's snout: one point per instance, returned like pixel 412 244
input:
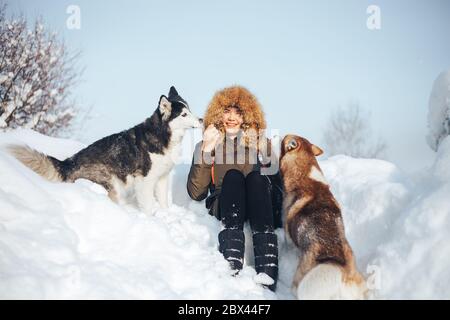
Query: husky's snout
pixel 197 123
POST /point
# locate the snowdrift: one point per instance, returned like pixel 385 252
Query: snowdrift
pixel 69 241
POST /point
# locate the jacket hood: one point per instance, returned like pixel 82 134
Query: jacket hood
pixel 235 96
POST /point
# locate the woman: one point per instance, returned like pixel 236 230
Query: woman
pixel 229 164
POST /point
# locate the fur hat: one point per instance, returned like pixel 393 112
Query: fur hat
pixel 254 123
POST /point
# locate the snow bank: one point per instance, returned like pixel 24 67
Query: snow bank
pixel 70 241
pixel 415 259
pixel 397 225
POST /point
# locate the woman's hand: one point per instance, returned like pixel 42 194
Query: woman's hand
pixel 210 138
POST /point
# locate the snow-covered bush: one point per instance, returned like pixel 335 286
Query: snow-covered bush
pixel 36 76
pixel 439 111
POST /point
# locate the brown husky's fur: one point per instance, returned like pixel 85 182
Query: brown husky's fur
pixel 313 218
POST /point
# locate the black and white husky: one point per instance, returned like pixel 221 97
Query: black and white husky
pixel 136 160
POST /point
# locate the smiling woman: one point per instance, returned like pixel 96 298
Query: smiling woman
pixel 239 190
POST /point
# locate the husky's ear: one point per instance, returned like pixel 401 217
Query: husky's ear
pixel 316 150
pixel 172 92
pixel 165 107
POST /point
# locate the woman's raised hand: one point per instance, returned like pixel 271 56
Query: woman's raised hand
pixel 210 138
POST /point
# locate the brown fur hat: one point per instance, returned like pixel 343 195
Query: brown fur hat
pixel 237 96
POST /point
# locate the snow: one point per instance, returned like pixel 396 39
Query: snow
pixel 70 241
pixel 3 78
pixel 25 91
pixel 10 107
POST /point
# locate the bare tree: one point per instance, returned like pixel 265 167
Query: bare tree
pixel 36 77
pixel 348 131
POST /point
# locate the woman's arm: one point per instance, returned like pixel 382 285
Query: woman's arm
pixel 199 177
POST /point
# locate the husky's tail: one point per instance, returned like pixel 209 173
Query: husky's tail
pixel 329 281
pixel 46 166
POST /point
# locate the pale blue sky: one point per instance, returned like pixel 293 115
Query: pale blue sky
pixel 301 58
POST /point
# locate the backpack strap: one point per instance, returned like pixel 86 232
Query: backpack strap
pixel 212 174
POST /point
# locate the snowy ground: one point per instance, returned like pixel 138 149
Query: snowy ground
pixel 69 241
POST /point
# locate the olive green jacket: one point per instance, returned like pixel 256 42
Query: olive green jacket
pixel 202 180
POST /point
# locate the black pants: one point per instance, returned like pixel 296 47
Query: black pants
pixel 246 198
pixel 243 198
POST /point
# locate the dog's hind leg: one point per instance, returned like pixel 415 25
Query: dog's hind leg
pixel 116 191
pixel 305 264
pixel 162 191
pixel 113 195
pixel 355 286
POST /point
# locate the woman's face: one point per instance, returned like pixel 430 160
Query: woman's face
pixel 232 120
